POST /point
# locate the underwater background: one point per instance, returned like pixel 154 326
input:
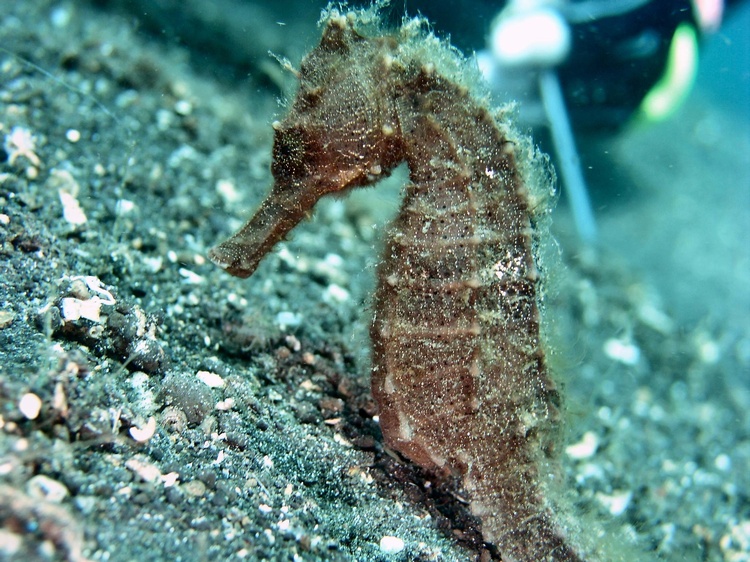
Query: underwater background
pixel 154 408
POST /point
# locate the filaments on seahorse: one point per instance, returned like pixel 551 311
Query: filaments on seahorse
pixel 459 371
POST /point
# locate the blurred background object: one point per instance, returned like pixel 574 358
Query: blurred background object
pixel 576 69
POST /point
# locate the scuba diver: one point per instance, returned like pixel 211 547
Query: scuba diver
pixel 586 65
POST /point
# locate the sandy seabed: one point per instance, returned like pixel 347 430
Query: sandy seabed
pixel 154 408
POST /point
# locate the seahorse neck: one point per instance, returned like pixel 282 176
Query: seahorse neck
pixel 432 114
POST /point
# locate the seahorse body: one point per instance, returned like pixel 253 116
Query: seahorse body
pixel 458 369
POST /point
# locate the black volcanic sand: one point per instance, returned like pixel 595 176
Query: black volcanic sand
pixel 187 415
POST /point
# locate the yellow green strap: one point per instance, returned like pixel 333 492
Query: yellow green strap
pixel 674 85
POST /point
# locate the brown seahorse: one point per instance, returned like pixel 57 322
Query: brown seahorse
pixel 458 367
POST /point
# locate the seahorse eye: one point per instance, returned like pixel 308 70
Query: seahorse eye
pixel 294 150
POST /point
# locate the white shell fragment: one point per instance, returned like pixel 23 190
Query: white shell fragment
pixel 211 380
pixel 171 479
pixel 143 434
pixel 21 143
pixel 73 309
pixel 68 190
pixel 191 277
pixel 72 212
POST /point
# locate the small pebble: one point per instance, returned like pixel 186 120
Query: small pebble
pixel 225 405
pixel 391 545
pixel 335 294
pixel 45 488
pixel 736 543
pixel 622 351
pixel 194 488
pixel 183 107
pixel 124 206
pixel 73 135
pixel 147 471
pixel 10 544
pixel 616 503
pixel 228 191
pixel 174 419
pixel 709 352
pixel 585 448
pixel 6 318
pixel 61 16
pixel 189 395
pixel 288 319
pixel 30 405
pixel 723 462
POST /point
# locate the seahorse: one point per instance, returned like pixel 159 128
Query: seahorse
pixel 459 371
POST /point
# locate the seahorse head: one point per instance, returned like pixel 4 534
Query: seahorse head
pixel 340 130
